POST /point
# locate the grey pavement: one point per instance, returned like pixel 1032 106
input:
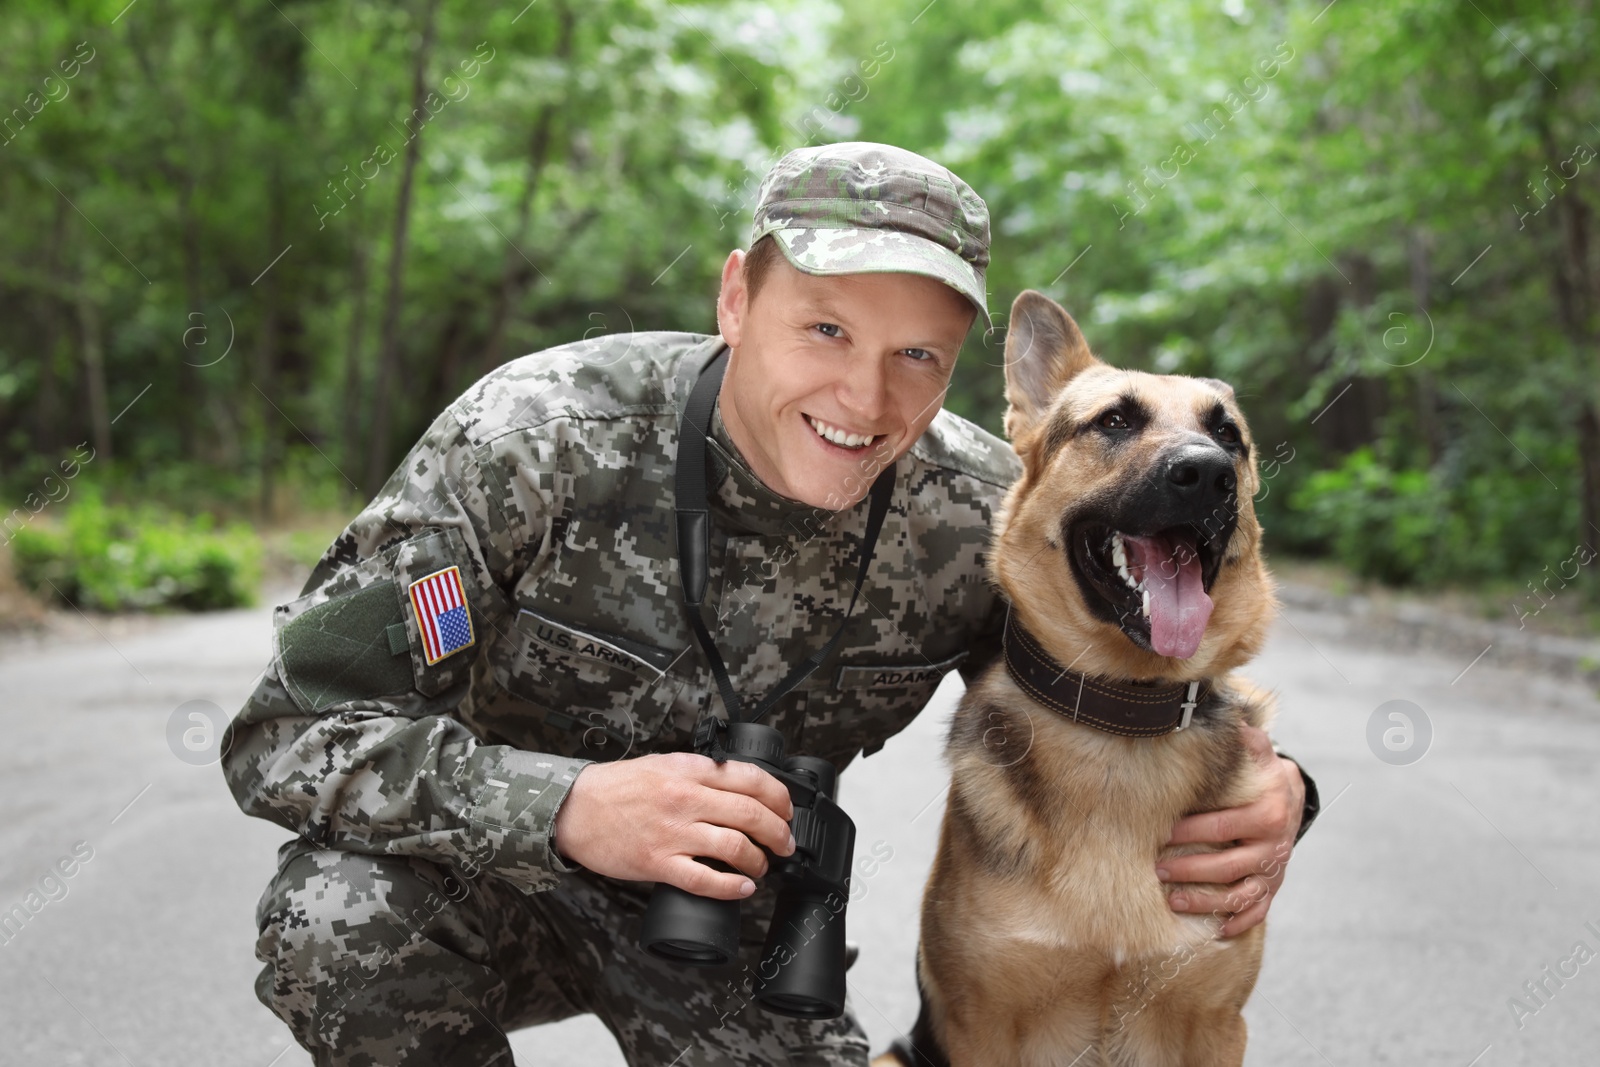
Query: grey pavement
pixel 1415 910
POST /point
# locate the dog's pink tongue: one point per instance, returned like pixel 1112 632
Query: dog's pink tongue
pixel 1179 606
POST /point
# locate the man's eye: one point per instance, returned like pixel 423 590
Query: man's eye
pixel 921 355
pixel 828 329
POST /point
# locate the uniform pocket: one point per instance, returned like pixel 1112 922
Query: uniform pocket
pixel 339 650
pixel 360 637
pixel 869 702
pixel 613 691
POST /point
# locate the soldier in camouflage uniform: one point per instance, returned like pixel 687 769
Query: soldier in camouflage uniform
pixel 423 909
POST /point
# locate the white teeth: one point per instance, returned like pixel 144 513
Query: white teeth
pixel 838 436
pixel 1119 558
pixel 1146 603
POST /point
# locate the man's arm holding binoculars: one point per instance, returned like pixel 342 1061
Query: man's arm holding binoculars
pixel 647 818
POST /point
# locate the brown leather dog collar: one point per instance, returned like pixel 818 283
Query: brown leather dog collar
pixel 1126 708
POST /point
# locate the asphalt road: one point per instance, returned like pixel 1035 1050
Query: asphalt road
pixel 1419 905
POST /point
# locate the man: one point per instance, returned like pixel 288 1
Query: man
pixel 480 716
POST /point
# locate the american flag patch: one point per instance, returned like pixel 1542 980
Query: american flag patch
pixel 441 606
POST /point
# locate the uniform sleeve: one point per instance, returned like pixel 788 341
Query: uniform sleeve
pixel 986 644
pixel 1313 804
pixel 351 739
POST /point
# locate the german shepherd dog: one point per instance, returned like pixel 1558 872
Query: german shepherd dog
pixel 1130 554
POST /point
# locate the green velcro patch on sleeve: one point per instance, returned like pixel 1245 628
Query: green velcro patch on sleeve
pixel 398 643
pixel 342 650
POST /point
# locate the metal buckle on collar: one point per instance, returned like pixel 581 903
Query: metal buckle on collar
pixel 1189 705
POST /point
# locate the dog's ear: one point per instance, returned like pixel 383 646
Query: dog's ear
pixel 1044 350
pixel 1221 386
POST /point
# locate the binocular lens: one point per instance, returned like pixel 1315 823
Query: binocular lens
pixel 699 931
pixel 801 1007
pixel 687 952
pixel 803 964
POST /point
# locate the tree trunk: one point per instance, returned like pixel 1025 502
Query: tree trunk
pixel 516 273
pixel 191 384
pixel 378 457
pixel 47 431
pixel 1349 416
pixel 46 416
pixel 350 437
pixel 1589 460
pixel 267 352
pixel 1420 247
pixel 444 370
pixel 1577 292
pixel 94 373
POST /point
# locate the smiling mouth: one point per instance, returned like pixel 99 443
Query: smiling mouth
pixel 842 438
pixel 1155 586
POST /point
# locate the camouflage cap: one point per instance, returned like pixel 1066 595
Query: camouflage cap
pixel 864 208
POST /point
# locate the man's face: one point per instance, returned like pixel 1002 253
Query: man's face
pixel 833 378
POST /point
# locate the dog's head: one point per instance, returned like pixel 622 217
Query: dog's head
pixel 1130 543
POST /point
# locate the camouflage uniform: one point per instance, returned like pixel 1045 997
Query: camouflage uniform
pixel 549 484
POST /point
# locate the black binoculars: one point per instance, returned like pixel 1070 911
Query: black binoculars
pixel 802 966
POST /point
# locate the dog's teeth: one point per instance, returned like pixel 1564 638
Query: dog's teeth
pixel 1146 602
pixel 1127 577
pixel 1119 558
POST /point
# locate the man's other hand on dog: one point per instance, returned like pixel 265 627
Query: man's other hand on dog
pixel 1262 834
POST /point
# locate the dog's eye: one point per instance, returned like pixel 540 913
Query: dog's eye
pixel 1227 433
pixel 1112 420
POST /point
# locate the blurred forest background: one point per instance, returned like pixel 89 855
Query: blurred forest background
pixel 250 249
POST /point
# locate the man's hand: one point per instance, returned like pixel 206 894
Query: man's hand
pixel 646 819
pixel 1262 834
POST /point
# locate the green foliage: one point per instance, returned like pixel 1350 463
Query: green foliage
pixel 1379 240
pixel 1407 526
pixel 1384 524
pixel 303 482
pixel 1374 220
pixel 116 558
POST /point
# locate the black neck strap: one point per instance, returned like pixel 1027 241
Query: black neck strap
pixel 694 552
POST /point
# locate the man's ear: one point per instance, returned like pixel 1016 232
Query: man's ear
pixel 732 300
pixel 1044 351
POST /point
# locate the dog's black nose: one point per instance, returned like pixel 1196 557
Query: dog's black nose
pixel 1201 474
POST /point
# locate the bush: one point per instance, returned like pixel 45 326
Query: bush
pixel 115 557
pixel 1413 527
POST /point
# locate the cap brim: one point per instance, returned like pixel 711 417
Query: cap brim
pixel 849 250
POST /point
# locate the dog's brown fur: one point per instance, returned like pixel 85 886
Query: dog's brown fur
pixel 1047 939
